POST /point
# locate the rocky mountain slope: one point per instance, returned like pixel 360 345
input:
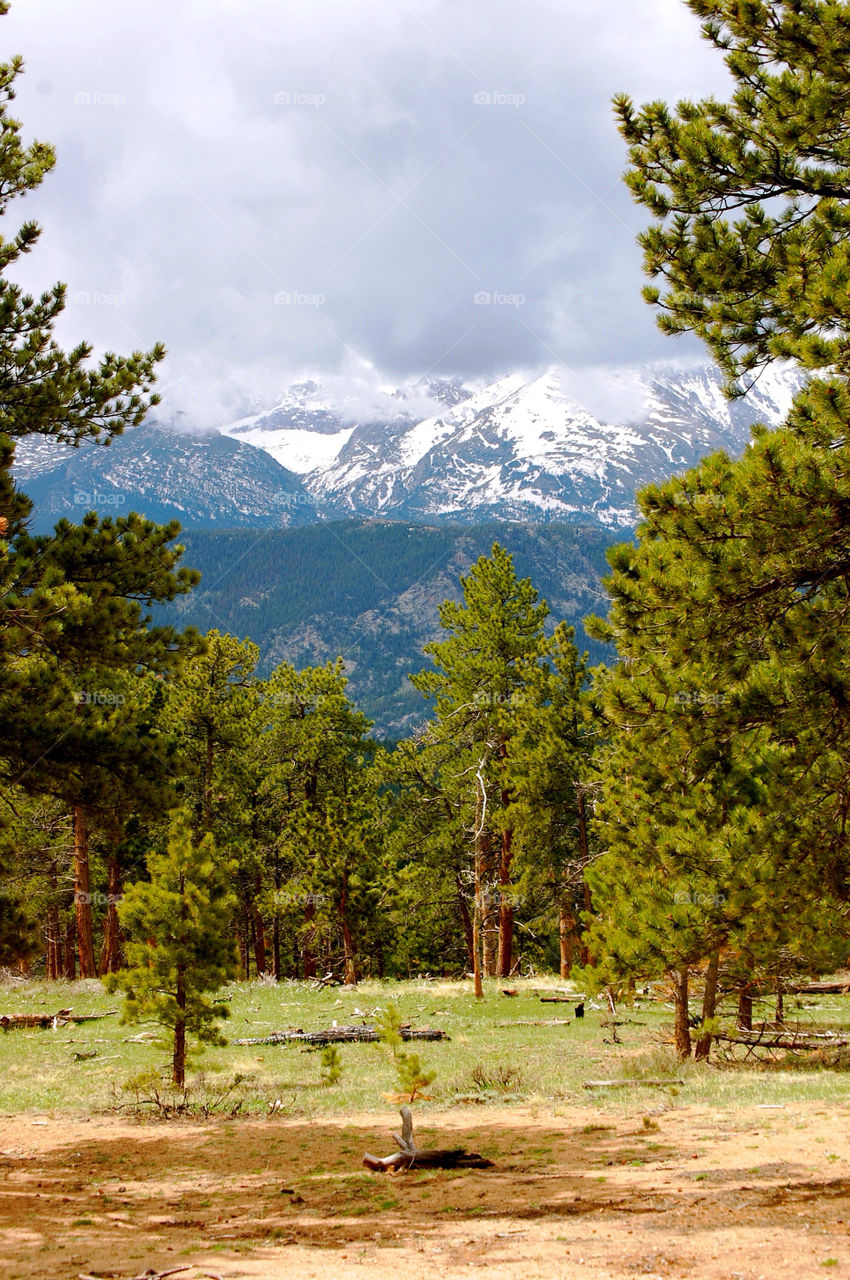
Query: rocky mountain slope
pixel 369 592
pixel 528 447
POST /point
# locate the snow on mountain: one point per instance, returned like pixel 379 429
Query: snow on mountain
pixel 205 482
pixel 526 447
pixel 557 444
pixel 313 422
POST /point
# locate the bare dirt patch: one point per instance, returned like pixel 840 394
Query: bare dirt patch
pixel 755 1193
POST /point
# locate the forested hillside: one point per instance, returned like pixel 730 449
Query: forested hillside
pixel 369 592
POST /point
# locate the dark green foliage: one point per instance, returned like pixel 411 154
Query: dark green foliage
pixel 752 234
pixel 179 949
pixel 371 591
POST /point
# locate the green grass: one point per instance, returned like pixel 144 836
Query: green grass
pixel 495 1055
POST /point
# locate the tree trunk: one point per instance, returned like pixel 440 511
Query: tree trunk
pixel 347 940
pixel 745 1010
pixel 584 858
pixel 506 906
pixel 82 895
pixel 682 1024
pixel 53 947
pixel 478 886
pixel 490 937
pixel 466 921
pixel 276 947
pixel 308 957
pixel 566 933
pixel 709 1004
pixel 178 1072
pixel 70 950
pixel 260 947
pixel 111 952
pixel 208 781
pixel 779 1017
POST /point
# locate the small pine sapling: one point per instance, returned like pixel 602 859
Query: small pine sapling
pixel 413 1079
pixel 331 1065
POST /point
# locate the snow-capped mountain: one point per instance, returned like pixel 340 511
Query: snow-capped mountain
pixel 527 447
pixel 540 446
pixel 206 482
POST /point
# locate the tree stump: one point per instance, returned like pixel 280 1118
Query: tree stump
pixel 410 1156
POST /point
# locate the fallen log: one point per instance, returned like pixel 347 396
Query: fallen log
pixel 13 1021
pixel 839 988
pixel 341 1035
pixel 16 1021
pixel 809 1042
pixel 629 1084
pixel 410 1156
pixel 536 1022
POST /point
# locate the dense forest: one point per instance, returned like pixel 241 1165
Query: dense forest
pixel 174 812
pixel 370 591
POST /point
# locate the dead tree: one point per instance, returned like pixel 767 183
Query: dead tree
pixel 410 1156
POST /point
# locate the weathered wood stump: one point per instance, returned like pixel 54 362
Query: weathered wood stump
pixel 410 1156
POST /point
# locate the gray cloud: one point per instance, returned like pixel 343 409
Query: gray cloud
pixel 274 186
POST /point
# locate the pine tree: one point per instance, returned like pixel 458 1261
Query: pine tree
pixel 553 782
pixel 750 196
pixel 320 797
pixel 484 670
pixel 179 947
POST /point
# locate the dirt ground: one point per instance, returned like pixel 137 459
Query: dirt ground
pixel 743 1194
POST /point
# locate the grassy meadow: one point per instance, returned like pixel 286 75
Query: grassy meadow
pixel 501 1051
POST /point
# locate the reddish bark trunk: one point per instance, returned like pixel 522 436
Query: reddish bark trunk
pixel 566 936
pixel 682 1023
pixel 82 895
pixel 745 1011
pixel 709 1004
pixel 584 857
pixel 111 952
pixel 466 921
pixel 70 951
pixel 308 958
pixel 347 940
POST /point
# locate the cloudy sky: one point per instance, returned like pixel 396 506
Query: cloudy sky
pixel 279 186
